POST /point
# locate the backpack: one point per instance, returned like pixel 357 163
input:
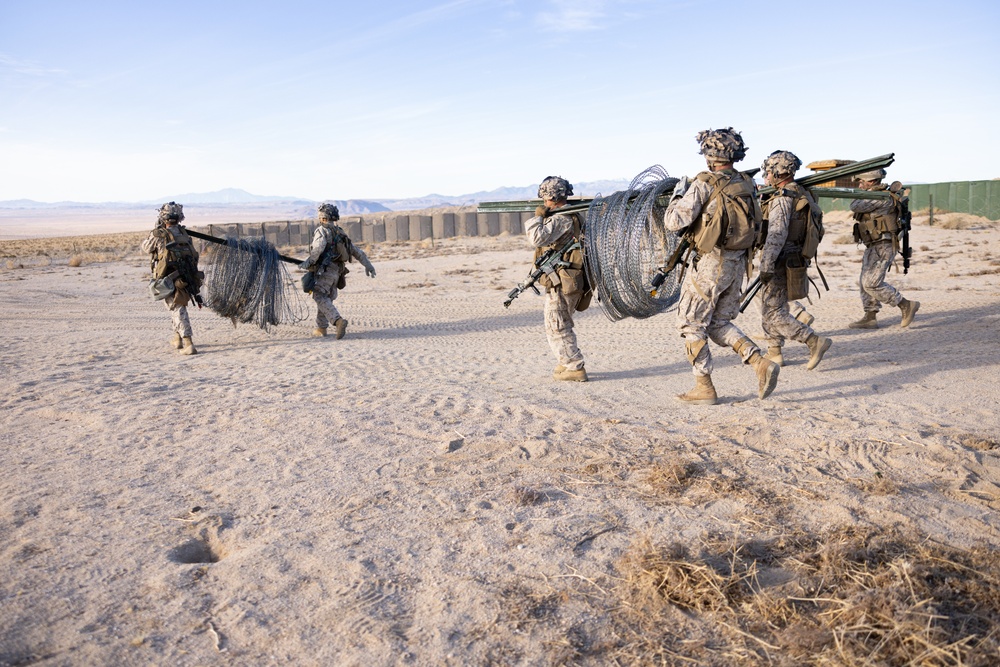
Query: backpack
pixel 180 257
pixel 806 227
pixel 735 222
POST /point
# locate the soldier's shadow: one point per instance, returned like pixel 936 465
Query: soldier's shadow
pixel 936 342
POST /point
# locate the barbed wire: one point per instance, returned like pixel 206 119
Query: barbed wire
pixel 246 282
pixel 625 242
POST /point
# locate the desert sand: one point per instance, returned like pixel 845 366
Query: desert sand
pixel 421 492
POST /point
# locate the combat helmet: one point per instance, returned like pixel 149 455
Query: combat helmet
pixel 170 212
pixel 329 212
pixel 555 188
pixel 781 163
pixel 873 175
pixel 721 146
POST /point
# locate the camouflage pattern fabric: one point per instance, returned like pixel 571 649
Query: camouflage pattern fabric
pixel 555 188
pixel 176 304
pixel 776 317
pixel 325 290
pixel 710 294
pixel 180 320
pixel 875 207
pixel 874 289
pixel 170 210
pixel 721 146
pixel 559 307
pixel 781 163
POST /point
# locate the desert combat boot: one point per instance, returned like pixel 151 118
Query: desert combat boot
pixel 567 375
pixel 767 373
pixel 909 309
pixel 866 322
pixel 175 341
pixel 774 354
pixel 187 346
pixel 341 325
pixel 817 348
pixel 319 332
pixel 703 392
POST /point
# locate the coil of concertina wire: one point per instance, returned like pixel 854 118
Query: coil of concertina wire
pixel 625 243
pixel 246 282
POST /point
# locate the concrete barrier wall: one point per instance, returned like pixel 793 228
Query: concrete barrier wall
pixel 381 227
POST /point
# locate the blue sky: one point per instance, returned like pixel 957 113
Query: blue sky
pixel 127 101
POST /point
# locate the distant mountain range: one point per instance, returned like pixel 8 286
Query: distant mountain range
pixel 236 197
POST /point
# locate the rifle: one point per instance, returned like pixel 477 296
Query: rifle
pixel 672 262
pixel 750 292
pixel 905 218
pixel 548 263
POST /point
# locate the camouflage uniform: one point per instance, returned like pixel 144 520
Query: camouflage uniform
pixel 877 258
pixel 556 229
pixel 325 289
pixel 776 318
pixel 177 303
pixel 710 294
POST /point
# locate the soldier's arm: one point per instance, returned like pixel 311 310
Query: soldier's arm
pixel 359 254
pixel 317 247
pixel 152 244
pixel 864 205
pixel 779 217
pixel 682 212
pixel 546 231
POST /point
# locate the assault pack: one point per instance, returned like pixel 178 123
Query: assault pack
pixel 735 222
pixel 179 261
pixel 805 231
pixel 337 250
pixel 570 276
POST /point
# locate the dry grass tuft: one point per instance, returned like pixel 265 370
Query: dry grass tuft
pixel 980 443
pixel 522 495
pixel 851 596
pixel 880 485
pixel 75 261
pixel 844 239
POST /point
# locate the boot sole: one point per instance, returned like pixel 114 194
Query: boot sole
pixel 862 326
pixel 819 356
pixel 698 401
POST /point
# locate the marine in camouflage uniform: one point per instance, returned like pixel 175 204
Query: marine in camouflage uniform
pixel 169 231
pixel 330 268
pixel 780 211
pixel 877 224
pixel 548 229
pixel 710 293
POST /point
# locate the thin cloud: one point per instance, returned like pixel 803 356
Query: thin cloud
pixel 573 16
pixel 26 67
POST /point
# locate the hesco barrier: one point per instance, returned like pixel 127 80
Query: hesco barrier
pixel 975 197
pixel 377 228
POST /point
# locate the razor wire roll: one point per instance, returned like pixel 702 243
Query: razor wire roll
pixel 625 243
pixel 246 282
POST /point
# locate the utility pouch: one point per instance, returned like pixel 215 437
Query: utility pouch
pixel 342 280
pixel 797 279
pixel 309 282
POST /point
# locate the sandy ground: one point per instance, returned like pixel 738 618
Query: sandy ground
pixel 408 495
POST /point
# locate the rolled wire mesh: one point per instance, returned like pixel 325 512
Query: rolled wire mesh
pixel 625 242
pixel 246 282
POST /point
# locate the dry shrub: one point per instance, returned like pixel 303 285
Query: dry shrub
pixel 75 261
pixel 960 221
pixel 672 478
pixel 879 486
pixel 844 239
pixel 851 596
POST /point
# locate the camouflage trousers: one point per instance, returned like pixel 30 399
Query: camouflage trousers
pixel 559 309
pixel 180 319
pixel 775 313
pixel 324 292
pixel 874 289
pixel 710 300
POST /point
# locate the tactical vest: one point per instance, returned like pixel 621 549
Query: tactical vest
pixel 338 248
pixel 178 255
pixel 572 278
pixel 871 227
pixel 735 220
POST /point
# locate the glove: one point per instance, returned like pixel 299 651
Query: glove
pixel 766 276
pixel 681 188
pixel 370 271
pixel 541 211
